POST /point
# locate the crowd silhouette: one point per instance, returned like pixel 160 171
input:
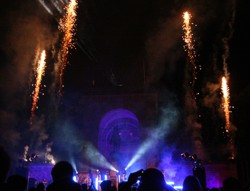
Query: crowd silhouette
pixel 150 179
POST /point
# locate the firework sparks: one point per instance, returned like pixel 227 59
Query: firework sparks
pixel 189 43
pixel 226 106
pixel 68 28
pixel 39 73
pixel 225 91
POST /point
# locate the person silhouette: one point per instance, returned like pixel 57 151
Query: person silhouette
pixel 17 182
pixel 152 179
pixel 191 183
pixel 5 163
pixel 62 175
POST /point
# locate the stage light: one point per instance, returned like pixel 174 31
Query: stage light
pixel 92 154
pixel 178 187
pixel 75 178
pixel 170 183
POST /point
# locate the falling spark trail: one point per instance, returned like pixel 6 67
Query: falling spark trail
pixel 45 6
pixel 225 91
pixel 189 43
pixel 68 28
pixel 191 107
pixel 39 74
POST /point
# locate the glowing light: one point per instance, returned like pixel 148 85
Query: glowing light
pixel 170 183
pixel 75 178
pixel 26 149
pixel 178 187
pixel 189 43
pixel 225 91
pixel 96 183
pixel 156 136
pixel 97 158
pixel 39 73
pixel 67 26
pixel 53 161
pixel 48 156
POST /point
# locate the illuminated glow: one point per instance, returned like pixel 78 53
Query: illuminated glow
pixel 142 150
pixel 116 129
pixel 96 183
pixel 189 43
pixel 75 178
pixel 96 158
pixel 225 91
pixel 170 183
pixel 26 149
pixel 156 136
pixel 53 161
pixel 39 74
pixel 48 156
pixel 67 26
pixel 178 187
pixel 226 106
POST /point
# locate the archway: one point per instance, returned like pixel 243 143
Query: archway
pixel 119 136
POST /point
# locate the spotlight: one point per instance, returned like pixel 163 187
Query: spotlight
pixel 75 178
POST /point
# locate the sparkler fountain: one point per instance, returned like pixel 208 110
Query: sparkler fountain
pixel 67 26
pixel 39 74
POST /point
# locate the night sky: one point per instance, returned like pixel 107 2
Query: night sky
pixel 124 47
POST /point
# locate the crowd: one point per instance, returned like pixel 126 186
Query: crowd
pixel 150 179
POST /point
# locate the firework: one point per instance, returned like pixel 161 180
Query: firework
pixel 67 26
pixel 189 43
pixel 226 107
pixel 39 74
pixel 225 91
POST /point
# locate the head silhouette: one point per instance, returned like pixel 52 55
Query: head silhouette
pixel 4 164
pixel 62 170
pixel 17 182
pixel 191 183
pixel 231 184
pixel 152 180
pixel 106 185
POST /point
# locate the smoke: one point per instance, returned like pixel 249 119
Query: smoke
pixel 95 157
pixel 38 132
pixel 160 49
pixel 26 28
pixel 10 136
pixel 25 153
pixel 49 158
pixel 29 26
pixel 227 38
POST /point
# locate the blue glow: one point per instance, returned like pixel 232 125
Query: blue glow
pixel 178 187
pixel 170 183
pixel 96 183
pixel 74 178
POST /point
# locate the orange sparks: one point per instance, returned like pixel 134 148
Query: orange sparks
pixel 189 44
pixel 68 29
pixel 39 74
pixel 225 91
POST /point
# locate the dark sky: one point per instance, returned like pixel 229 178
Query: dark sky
pixel 121 47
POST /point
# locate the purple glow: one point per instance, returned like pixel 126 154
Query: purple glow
pixel 41 172
pixel 119 136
